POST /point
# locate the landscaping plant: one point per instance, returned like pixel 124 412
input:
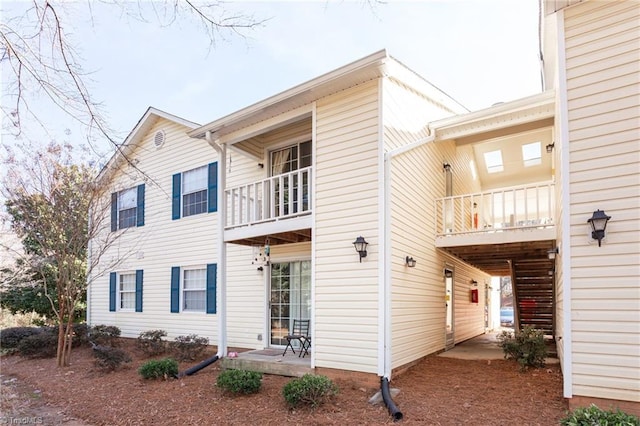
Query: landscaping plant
pixel 239 381
pixel 159 369
pixel 41 345
pixel 150 342
pixel 10 338
pixel 309 390
pixel 594 416
pixel 106 335
pixel 108 358
pixel 525 346
pixel 188 348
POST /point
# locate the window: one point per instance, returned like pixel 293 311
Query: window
pixel 532 154
pixel 195 191
pixel 291 158
pixel 127 208
pixel 287 160
pixel 125 291
pixel 493 161
pixel 193 289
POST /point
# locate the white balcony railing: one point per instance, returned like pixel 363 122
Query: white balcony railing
pixel 528 206
pixel 274 198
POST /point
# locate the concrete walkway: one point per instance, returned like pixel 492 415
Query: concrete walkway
pixel 484 346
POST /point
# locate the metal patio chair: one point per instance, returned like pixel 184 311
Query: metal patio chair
pixel 301 334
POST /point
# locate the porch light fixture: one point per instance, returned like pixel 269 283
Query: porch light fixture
pixel 551 254
pixel 446 167
pixel 474 283
pixel 361 247
pixel 550 147
pixel 410 262
pixel 598 222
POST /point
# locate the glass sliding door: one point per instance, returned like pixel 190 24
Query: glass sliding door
pixel 290 298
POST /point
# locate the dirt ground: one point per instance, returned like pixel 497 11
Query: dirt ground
pixel 437 391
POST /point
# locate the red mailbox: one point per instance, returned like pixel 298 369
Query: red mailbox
pixel 474 295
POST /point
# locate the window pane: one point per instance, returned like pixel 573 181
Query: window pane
pixel 493 160
pixel 127 282
pixel 531 154
pixel 127 218
pixel 194 203
pixel 194 300
pixel 305 154
pixel 128 300
pixel 127 291
pixel 194 279
pixel 194 180
pixel 128 198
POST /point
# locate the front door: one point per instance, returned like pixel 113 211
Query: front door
pixel 290 298
pixel 448 298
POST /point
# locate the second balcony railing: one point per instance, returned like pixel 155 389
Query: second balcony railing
pixel 274 198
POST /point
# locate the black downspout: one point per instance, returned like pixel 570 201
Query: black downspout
pixel 198 367
pixel 386 397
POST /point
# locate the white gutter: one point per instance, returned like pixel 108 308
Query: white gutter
pixel 563 123
pixel 385 291
pixel 222 246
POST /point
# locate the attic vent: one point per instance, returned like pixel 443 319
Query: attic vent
pixel 158 139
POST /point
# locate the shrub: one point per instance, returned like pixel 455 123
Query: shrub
pixel 526 346
pixel 159 368
pixel 106 335
pixel 10 338
pixel 150 342
pixel 309 390
pixel 594 416
pixel 80 334
pixel 239 381
pixel 40 345
pixel 108 358
pixel 188 348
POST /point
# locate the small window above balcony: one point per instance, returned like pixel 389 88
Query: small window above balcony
pixel 532 154
pixel 493 161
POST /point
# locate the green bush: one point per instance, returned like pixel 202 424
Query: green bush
pixel 41 345
pixel 108 358
pixel 594 416
pixel 159 369
pixel 188 348
pixel 10 338
pixel 309 390
pixel 239 381
pixel 106 335
pixel 525 346
pixel 150 342
pixel 80 334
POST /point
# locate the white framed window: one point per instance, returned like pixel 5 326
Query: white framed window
pixel 194 290
pixel 194 191
pixel 127 291
pixel 532 154
pixel 493 161
pixel 127 208
pixel 291 158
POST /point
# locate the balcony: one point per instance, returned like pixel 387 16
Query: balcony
pixel 278 206
pixel 505 215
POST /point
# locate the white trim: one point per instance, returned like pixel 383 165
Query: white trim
pixel 285 225
pixel 562 119
pixel 384 238
pixel 314 115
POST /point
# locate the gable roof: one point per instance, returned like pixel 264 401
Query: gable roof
pixel 141 128
pixel 374 66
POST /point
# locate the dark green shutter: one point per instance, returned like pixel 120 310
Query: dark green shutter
pixel 114 211
pixel 140 210
pixel 112 291
pixel 212 269
pixel 213 188
pixel 139 290
pixel 175 289
pixel 177 187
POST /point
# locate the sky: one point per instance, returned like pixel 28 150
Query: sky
pixel 479 52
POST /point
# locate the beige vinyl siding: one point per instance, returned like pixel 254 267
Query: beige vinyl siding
pixel 346 291
pixel 418 309
pixel 162 242
pixel 603 87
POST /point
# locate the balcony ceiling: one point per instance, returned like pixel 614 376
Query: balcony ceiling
pixel 494 258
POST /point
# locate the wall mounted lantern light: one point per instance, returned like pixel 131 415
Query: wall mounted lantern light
pixel 550 147
pixel 361 247
pixel 446 167
pixel 474 283
pixel 598 224
pixel 551 254
pixel 410 262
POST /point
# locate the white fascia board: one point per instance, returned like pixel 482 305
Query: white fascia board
pixel 524 110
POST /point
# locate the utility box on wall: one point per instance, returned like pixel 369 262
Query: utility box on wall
pixel 474 295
